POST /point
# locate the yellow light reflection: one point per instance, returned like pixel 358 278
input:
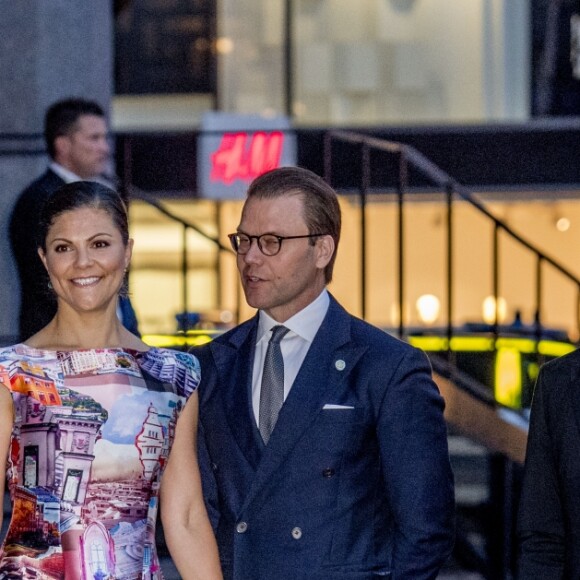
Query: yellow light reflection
pixel 508 377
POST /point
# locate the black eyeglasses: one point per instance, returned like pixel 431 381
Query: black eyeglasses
pixel 269 244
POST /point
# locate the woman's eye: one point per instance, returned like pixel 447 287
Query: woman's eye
pixel 101 244
pixel 60 248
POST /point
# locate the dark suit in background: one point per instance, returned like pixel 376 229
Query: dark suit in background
pixel 549 515
pixel 76 137
pixel 37 301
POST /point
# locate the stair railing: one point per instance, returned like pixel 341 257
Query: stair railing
pixel 504 437
pixel 136 193
pixel 409 158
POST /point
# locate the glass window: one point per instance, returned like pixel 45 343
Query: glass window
pixel 376 61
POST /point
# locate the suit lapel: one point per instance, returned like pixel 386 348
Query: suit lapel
pixel 317 379
pixel 234 367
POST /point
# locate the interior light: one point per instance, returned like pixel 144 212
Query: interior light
pixel 563 224
pixel 224 45
pixel 428 308
pixel 489 309
pixel 226 316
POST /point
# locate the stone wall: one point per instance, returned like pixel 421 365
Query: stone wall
pixel 50 50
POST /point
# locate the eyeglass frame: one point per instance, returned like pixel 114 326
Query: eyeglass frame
pixel 235 245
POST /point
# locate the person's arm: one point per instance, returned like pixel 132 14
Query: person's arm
pixel 188 532
pixel 541 530
pixel 419 481
pixel 6 422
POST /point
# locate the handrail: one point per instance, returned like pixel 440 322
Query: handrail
pixel 444 181
pixel 469 409
pixel 411 157
pixel 153 201
pixel 137 193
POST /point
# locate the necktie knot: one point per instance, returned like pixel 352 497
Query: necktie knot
pixel 278 333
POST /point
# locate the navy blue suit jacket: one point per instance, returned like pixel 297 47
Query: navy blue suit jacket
pixel 359 492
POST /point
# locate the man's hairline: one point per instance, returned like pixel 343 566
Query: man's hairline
pixel 74 127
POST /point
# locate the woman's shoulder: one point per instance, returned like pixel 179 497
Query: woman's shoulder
pixel 179 368
pixel 167 354
pixel 24 353
pixel 9 355
pixel 22 360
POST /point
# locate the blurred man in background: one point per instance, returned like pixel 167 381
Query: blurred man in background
pixel 323 447
pixel 76 135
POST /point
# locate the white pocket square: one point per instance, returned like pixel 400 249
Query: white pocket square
pixel 343 407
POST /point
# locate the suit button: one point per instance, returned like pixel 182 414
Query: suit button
pixel 241 527
pixel 328 472
pixel 296 533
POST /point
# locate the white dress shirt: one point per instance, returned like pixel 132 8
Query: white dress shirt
pixel 303 327
pixel 65 174
pixel 69 177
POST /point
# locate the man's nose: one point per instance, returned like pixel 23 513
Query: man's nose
pixel 254 254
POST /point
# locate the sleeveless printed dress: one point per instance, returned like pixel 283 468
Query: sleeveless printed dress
pixel 91 437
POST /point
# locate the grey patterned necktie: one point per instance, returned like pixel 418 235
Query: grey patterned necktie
pixel 272 390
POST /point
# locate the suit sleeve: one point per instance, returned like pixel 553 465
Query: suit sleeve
pixel 540 519
pixel 209 486
pixel 416 470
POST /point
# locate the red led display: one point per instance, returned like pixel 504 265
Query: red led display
pixel 245 155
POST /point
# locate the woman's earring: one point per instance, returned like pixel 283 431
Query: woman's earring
pixel 49 284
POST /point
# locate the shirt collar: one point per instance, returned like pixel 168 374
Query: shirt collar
pixel 65 174
pixel 304 323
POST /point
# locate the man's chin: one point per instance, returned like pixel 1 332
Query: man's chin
pixel 253 300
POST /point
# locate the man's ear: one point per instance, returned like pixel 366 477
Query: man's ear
pixel 325 248
pixel 61 147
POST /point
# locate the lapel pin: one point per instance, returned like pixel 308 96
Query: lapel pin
pixel 340 365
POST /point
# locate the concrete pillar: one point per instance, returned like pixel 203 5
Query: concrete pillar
pixel 50 49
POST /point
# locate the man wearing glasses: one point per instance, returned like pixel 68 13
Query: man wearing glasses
pixel 322 441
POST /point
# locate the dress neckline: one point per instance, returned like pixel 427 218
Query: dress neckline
pixel 108 349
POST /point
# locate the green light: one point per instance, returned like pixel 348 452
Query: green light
pixel 458 343
pixel 189 339
pixel 471 343
pixel 526 345
pixel 429 343
pixel 508 377
pixel 551 348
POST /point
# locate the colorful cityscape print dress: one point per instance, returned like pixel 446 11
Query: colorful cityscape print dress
pixel 92 433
